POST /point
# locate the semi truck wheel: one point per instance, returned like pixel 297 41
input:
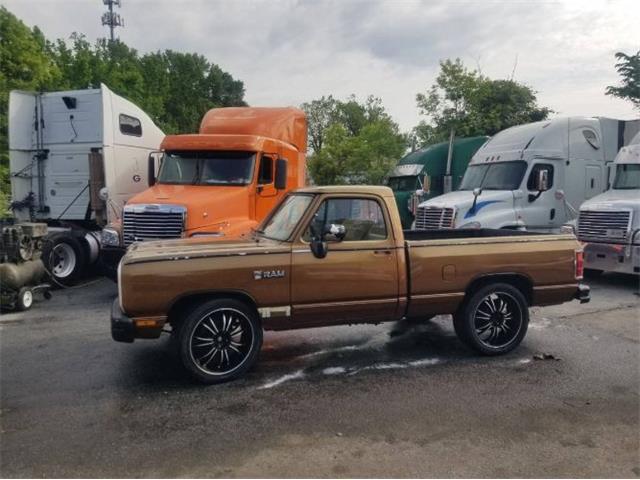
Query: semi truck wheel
pixel 24 300
pixel 494 320
pixel 220 340
pixel 64 257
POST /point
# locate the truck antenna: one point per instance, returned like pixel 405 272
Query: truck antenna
pixel 111 18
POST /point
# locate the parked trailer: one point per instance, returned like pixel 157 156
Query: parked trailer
pixel 533 176
pixel 76 157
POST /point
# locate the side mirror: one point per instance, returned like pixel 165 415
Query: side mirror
pixel 151 169
pixel 318 247
pixel 477 192
pixel 542 181
pixel 426 184
pixel 281 174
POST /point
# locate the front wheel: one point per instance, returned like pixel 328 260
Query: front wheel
pixel 220 340
pixel 494 320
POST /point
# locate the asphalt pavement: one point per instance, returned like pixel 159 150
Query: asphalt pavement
pixel 396 399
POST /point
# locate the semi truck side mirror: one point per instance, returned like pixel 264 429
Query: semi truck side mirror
pixel 426 184
pixel 542 181
pixel 151 170
pixel 281 174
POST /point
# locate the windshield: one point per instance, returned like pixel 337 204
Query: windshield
pixel 403 183
pixel 281 224
pixel 627 176
pixel 494 176
pixel 207 168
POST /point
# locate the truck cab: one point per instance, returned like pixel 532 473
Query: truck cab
pixel 609 223
pixel 532 176
pixel 427 173
pixel 218 183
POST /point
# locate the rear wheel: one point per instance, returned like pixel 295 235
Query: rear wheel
pixel 494 320
pixel 220 340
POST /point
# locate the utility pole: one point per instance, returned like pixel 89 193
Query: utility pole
pixel 111 18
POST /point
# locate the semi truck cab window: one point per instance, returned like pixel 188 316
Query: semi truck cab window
pixel 266 170
pixel 538 167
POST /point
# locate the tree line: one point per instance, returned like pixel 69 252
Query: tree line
pixel 351 140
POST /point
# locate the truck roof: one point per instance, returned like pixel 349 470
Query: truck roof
pixel 287 124
pixel 349 189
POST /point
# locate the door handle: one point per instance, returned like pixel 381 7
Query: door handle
pixel 382 252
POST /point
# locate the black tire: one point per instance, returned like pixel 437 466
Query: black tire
pixel 24 301
pixel 64 257
pixel 493 320
pixel 220 355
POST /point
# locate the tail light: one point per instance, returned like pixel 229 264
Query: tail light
pixel 579 264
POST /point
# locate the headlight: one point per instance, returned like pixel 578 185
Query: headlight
pixel 471 225
pixel 110 237
pixel 567 228
pixel 636 238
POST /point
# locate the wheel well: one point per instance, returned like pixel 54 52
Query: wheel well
pixel 184 305
pixel 519 281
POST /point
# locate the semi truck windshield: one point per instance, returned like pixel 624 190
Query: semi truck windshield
pixel 627 177
pixel 403 183
pixel 494 176
pixel 207 168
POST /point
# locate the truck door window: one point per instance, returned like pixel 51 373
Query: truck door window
pixel 363 218
pixel 265 176
pixel 538 167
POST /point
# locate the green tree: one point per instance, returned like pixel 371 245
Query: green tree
pixel 628 66
pixel 352 142
pixel 176 89
pixel 472 104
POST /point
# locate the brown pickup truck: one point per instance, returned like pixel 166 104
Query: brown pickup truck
pixel 338 255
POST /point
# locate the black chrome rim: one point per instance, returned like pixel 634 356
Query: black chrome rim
pixel 221 341
pixel 497 320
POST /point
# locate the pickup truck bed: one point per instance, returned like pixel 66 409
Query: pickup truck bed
pixel 335 255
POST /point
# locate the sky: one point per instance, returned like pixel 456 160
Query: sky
pixel 290 51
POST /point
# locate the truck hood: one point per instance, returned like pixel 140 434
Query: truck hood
pixel 613 199
pixel 462 201
pixel 198 247
pixel 205 204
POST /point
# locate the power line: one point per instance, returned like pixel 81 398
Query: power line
pixel 111 18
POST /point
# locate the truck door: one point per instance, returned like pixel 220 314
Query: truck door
pixel 592 181
pixel 541 210
pixel 265 189
pixel 358 279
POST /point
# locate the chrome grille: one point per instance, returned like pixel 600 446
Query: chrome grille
pixel 429 218
pixel 152 222
pixel 604 225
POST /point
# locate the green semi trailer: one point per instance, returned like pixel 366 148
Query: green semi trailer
pixel 429 172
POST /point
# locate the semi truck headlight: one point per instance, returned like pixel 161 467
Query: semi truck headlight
pixel 568 228
pixel 636 238
pixel 110 237
pixel 471 225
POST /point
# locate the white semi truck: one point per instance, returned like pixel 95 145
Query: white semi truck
pixel 609 223
pixel 75 158
pixel 533 176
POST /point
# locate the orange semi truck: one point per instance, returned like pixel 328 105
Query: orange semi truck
pixel 220 182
